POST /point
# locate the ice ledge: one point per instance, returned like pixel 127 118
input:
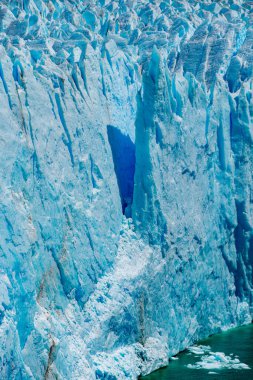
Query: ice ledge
pixel 112 297
pixel 132 361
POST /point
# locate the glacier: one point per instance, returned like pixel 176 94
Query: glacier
pixel 126 193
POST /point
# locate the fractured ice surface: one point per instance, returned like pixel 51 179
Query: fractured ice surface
pixel 134 107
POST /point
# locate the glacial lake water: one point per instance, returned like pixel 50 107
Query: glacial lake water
pixel 223 350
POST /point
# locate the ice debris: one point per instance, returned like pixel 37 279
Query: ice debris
pixel 215 360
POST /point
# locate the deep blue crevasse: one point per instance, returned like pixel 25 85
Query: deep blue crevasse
pixel 123 152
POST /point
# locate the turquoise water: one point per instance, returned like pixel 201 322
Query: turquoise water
pixel 238 341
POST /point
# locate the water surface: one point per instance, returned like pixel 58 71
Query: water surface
pixel 238 341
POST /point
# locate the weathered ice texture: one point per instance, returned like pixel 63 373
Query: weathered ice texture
pixel 126 193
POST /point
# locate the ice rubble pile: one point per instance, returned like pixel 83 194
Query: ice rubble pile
pixel 215 360
pixel 142 108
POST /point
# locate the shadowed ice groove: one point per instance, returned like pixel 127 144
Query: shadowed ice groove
pixel 123 152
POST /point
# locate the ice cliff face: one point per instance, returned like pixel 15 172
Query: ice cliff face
pixel 126 192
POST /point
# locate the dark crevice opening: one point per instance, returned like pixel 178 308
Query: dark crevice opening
pixel 123 153
pixel 244 246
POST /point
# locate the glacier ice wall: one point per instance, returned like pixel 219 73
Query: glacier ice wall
pixel 126 192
